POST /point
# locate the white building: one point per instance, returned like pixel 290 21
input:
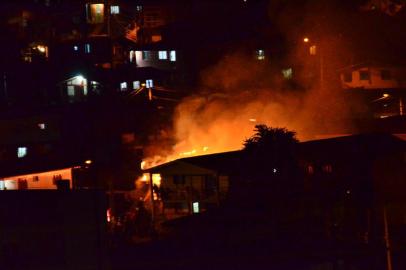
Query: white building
pixel 39 180
pixel 373 77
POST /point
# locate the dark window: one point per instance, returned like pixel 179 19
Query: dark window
pixel 178 179
pixel 348 77
pixel 364 75
pixel 385 74
pixel 146 55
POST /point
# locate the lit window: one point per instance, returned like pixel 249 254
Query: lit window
pixel 95 13
pixel 41 125
pixel 287 73
pixel 87 48
pixel 195 207
pixel 313 50
pixel 260 54
pixel 328 168
pixel 75 48
pixel 115 10
pixel 172 56
pixel 310 169
pixel 123 86
pixel 163 55
pixel 139 8
pixel 132 56
pixel 21 152
pixel 71 90
pixel 386 74
pixel 136 85
pixel 149 83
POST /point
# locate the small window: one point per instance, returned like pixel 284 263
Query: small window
pixel 21 152
pixel 386 74
pixel 35 178
pixel 136 85
pixel 132 56
pixel 347 76
pixel 313 50
pixel 328 168
pixel 310 169
pixel 87 48
pixel 287 73
pixel 178 180
pixel 196 208
pixel 41 125
pixel 71 90
pixel 172 56
pixel 364 75
pixel 163 55
pixel 260 54
pixel 123 86
pixel 76 48
pixel 146 55
pixel 149 83
pixel 139 8
pixel 115 10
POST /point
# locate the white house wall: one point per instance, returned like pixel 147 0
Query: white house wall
pixel 41 180
pixel 397 80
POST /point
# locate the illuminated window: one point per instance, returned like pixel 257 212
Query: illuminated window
pixel 196 208
pixel 136 85
pixel 310 169
pixel 287 73
pixel 347 76
pixel 172 56
pixel 76 48
pixel 95 13
pixel 139 8
pixel 364 75
pixel 163 55
pixel 149 83
pixel 123 86
pixel 71 90
pixel 115 10
pixel 87 48
pixel 41 125
pixel 21 152
pixel 260 54
pixel 132 57
pixel 328 168
pixel 313 50
pixel 386 74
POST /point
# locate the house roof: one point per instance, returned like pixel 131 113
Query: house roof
pixel 220 162
pixel 367 145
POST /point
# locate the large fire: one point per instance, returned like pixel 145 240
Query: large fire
pixel 220 120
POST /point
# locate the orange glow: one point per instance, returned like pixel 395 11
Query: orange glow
pixel 306 39
pixel 156 179
pixel 88 162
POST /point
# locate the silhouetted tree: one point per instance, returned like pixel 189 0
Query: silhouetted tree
pixel 269 176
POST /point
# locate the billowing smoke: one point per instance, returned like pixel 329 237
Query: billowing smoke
pixel 240 91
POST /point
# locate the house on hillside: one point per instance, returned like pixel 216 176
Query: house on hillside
pixel 191 185
pixel 345 179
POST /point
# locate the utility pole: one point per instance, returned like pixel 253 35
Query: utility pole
pixel 387 240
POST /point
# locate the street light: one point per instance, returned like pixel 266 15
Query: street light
pixel 313 52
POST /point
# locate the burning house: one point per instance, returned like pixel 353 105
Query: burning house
pixel 342 178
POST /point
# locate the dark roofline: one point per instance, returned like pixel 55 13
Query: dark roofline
pixel 365 137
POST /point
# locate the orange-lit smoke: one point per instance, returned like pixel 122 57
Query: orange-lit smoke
pixel 242 93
